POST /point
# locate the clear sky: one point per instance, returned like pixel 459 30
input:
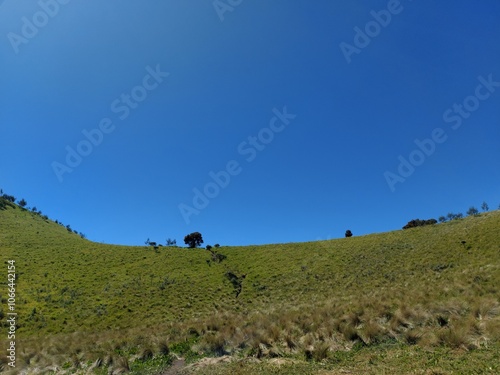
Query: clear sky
pixel 117 117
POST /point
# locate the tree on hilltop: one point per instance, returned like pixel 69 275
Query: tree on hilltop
pixel 348 233
pixel 193 239
pixel 10 198
pixel 473 211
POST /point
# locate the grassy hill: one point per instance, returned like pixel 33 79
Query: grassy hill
pixel 373 304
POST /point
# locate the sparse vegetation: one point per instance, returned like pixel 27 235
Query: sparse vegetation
pixel 171 242
pixel 193 240
pixel 485 207
pixel 419 223
pixel 472 211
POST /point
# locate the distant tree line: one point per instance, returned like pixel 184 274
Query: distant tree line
pixel 10 200
pixel 419 223
pixel 472 211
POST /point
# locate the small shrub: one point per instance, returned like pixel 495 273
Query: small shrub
pixel 215 344
pixel 163 348
pixel 290 343
pixel 121 366
pixel 419 223
pixel 171 242
pixel 218 258
pixel 146 354
pixel 371 333
pixel 472 211
pixel 320 351
pixel 412 337
pixel 350 333
pixel 9 198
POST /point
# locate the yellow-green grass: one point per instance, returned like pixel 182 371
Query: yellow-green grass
pixel 79 301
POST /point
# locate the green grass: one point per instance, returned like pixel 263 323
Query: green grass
pixel 417 291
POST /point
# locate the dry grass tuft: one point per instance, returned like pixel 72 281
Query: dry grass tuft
pixel 320 351
pixel 371 333
pixel 121 366
pixel 163 348
pixel 214 343
pixel 146 354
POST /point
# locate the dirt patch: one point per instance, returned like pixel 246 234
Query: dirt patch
pixel 204 362
pixel 176 368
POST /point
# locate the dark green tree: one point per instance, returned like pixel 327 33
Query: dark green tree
pixel 485 206
pixel 473 211
pixel 348 233
pixel 193 239
pixel 171 242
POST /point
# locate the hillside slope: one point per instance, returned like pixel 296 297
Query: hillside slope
pixel 432 285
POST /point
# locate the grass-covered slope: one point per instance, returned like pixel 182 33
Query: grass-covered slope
pixel 433 286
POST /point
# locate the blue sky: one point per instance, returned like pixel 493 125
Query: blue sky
pixel 308 108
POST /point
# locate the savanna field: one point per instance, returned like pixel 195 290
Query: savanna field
pixel 424 300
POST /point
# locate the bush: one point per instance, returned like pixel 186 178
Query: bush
pixel 473 211
pixel 218 258
pixel 419 223
pixel 9 198
pixel 171 242
pixel 193 239
pixel 348 233
pixel 452 216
